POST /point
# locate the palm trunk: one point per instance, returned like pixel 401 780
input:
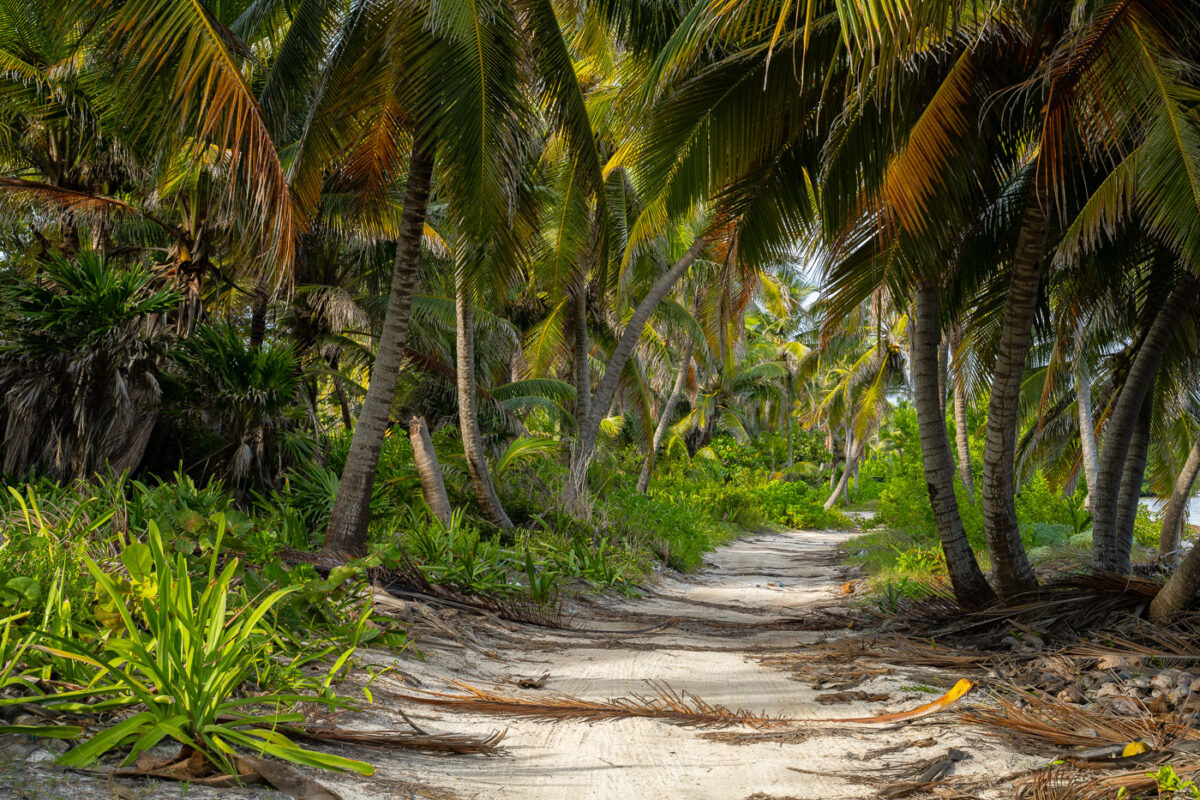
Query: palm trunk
pixel 433 486
pixel 346 534
pixel 606 390
pixel 468 413
pixel 1176 510
pixel 962 436
pixel 943 373
pixel 971 588
pixel 579 350
pixel 853 451
pixel 1089 452
pixel 787 420
pixel 258 315
pixel 664 420
pixel 1013 574
pixel 1109 550
pixel 1132 474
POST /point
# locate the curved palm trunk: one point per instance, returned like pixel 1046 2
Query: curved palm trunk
pixel 468 412
pixel 971 588
pixel 853 451
pixel 1010 566
pixel 346 534
pixel 606 389
pixel 1173 514
pixel 664 420
pixel 1110 548
pixel 1089 452
pixel 433 486
pixel 962 437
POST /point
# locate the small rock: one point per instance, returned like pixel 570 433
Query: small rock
pixel 1178 695
pixel 1139 683
pixel 1125 707
pixel 1184 679
pixel 41 755
pixel 1108 689
pixel 58 746
pixel 1195 687
pixel 1072 694
pixel 1033 643
pixel 1111 662
pixel 1163 682
pixel 1124 674
pixel 1011 643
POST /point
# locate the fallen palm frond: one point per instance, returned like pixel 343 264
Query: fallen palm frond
pixel 1064 607
pixel 1049 721
pixel 1064 782
pixel 680 707
pixel 407 579
pixel 960 690
pixel 683 708
pixel 407 740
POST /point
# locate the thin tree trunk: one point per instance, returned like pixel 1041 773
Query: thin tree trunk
pixel 787 420
pixel 664 420
pixel 433 486
pixel 962 436
pixel 468 412
pixel 579 350
pixel 1176 510
pixel 971 588
pixel 853 451
pixel 346 534
pixel 1109 551
pixel 606 390
pixel 1010 565
pixel 1089 452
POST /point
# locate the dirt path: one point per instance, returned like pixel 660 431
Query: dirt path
pixel 720 635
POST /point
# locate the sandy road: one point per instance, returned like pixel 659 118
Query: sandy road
pixel 713 634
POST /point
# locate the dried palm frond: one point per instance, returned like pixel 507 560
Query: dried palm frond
pixel 680 707
pixel 1047 720
pixel 1063 782
pixel 407 740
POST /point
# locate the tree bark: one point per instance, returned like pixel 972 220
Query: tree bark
pixel 346 535
pixel 468 411
pixel 1089 452
pixel 579 350
pixel 1177 595
pixel 971 588
pixel 664 420
pixel 1132 474
pixel 1109 551
pixel 433 486
pixel 962 436
pixel 1010 565
pixel 606 389
pixel 1176 510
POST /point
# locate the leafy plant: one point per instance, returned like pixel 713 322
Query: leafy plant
pixel 183 655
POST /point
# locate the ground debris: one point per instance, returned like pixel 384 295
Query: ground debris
pixel 852 697
pixel 676 706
